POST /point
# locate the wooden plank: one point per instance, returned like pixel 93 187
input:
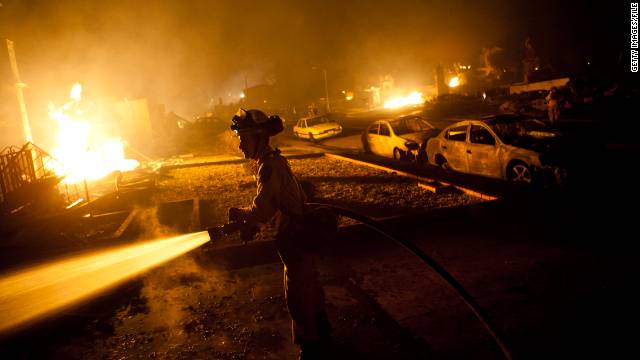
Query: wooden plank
pixel 125 224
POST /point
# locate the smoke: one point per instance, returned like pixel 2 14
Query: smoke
pixel 229 143
pixel 190 54
pixel 184 54
pixel 150 226
pixel 171 294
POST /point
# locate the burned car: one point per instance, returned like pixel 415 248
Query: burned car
pixel 403 138
pixel 504 146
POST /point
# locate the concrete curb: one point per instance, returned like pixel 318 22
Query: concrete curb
pixel 423 182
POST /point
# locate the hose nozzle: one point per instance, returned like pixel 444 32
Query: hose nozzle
pixel 247 231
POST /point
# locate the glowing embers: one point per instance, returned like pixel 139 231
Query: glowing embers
pixel 82 151
pixel 35 292
pixel 414 98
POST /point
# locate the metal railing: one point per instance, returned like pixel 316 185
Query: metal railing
pixel 20 167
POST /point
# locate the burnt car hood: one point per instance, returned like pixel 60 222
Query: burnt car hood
pixel 537 144
pixel 565 149
pixel 421 136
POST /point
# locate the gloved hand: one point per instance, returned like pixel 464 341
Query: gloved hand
pixel 235 214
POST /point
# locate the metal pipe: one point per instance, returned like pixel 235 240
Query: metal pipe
pixel 26 126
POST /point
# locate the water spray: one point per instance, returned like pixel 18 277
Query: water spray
pixel 31 294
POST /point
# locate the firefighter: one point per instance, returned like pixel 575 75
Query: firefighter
pixel 280 198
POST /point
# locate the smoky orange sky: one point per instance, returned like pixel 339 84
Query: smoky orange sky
pixel 188 54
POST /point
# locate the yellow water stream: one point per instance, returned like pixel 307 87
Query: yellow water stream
pixel 33 293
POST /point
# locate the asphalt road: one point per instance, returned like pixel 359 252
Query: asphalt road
pixel 353 125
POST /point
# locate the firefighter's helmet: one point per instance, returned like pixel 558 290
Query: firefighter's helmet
pixel 256 121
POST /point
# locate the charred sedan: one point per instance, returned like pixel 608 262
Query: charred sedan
pixel 404 138
pixel 503 146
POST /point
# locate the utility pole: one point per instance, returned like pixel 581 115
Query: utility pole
pixel 326 88
pixel 19 86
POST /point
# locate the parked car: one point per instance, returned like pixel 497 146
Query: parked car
pixel 316 128
pixel 504 146
pixel 404 138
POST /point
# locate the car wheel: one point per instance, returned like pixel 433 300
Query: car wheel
pixel 397 154
pixel 520 172
pixel 442 163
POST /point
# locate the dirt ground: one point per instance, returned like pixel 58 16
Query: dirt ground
pixel 373 192
pixel 199 307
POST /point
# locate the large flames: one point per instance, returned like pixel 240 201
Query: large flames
pixel 84 154
pixel 414 98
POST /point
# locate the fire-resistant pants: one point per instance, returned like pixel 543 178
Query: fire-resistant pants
pixel 303 293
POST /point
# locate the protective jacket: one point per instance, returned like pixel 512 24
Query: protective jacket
pixel 280 197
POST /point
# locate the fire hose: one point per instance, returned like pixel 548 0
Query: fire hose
pixel 428 260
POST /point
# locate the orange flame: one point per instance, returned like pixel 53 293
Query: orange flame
pixel 81 153
pixel 414 98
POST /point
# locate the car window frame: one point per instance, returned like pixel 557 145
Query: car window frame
pixel 377 126
pixel 466 133
pixel 386 126
pixel 419 119
pixel 486 129
pixel 431 127
pixel 325 120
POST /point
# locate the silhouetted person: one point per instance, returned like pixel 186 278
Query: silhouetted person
pixel 281 198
